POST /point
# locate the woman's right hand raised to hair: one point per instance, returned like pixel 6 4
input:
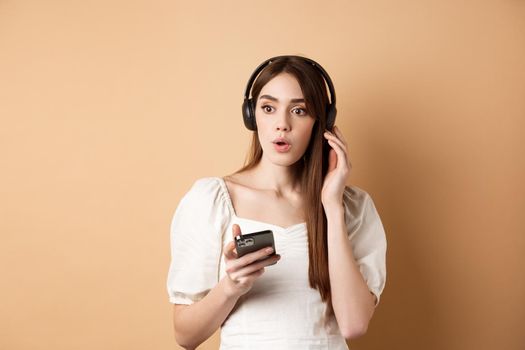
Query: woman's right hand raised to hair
pixel 242 272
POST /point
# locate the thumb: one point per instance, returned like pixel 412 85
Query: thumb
pixel 332 160
pixel 236 230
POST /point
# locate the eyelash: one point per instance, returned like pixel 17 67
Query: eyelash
pixel 303 109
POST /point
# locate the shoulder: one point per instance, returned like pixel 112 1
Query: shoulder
pixel 204 203
pixel 204 192
pixel 203 188
pixel 360 211
pixel 355 198
pixel 206 184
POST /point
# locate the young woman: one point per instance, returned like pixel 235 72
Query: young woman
pixel 325 281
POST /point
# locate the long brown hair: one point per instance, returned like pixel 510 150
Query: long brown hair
pixel 314 162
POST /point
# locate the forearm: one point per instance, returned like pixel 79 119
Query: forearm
pixel 351 299
pixel 195 323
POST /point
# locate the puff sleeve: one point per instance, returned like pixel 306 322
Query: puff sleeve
pixel 367 235
pixel 196 242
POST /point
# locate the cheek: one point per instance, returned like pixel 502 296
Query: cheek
pixel 308 132
pixel 310 127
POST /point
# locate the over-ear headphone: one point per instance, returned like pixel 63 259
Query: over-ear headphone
pixel 248 112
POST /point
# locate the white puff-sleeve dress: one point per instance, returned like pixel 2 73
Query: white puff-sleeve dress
pixel 281 311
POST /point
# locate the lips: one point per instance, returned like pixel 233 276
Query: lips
pixel 281 141
pixel 281 144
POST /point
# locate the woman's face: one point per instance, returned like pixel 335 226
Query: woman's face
pixel 280 111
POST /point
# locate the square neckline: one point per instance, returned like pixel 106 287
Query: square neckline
pixel 230 204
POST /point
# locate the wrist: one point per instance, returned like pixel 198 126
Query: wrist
pixel 229 289
pixel 333 209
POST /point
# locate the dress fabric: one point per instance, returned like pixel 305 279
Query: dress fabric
pixel 281 311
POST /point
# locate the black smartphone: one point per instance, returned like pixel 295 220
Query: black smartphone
pixel 254 241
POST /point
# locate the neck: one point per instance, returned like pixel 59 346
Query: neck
pixel 282 179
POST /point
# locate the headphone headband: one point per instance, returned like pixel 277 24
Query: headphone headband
pixel 247 107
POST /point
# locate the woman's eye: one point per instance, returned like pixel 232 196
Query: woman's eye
pixel 267 109
pixel 299 111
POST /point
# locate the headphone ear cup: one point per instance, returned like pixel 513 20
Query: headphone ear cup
pixel 249 115
pixel 330 116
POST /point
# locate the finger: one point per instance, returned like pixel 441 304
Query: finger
pixel 248 269
pixel 332 160
pixel 236 230
pixel 341 155
pixel 247 259
pixel 332 137
pixel 341 138
pixel 244 272
pixel 257 255
pixel 256 273
pixel 336 143
pixel 248 278
pixel 340 135
pixel 229 251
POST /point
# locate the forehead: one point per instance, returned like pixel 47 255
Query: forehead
pixel 283 86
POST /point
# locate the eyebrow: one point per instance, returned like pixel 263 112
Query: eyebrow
pixel 293 100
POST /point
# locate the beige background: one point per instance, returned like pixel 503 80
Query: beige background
pixel 111 109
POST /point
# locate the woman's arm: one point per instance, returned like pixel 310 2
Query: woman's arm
pixel 352 301
pixel 195 323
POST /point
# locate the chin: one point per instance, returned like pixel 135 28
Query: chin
pixel 286 160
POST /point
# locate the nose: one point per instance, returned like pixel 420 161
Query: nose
pixel 282 122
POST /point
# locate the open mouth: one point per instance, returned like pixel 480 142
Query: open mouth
pixel 282 146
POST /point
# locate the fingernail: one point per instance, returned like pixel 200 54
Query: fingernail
pixel 269 250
